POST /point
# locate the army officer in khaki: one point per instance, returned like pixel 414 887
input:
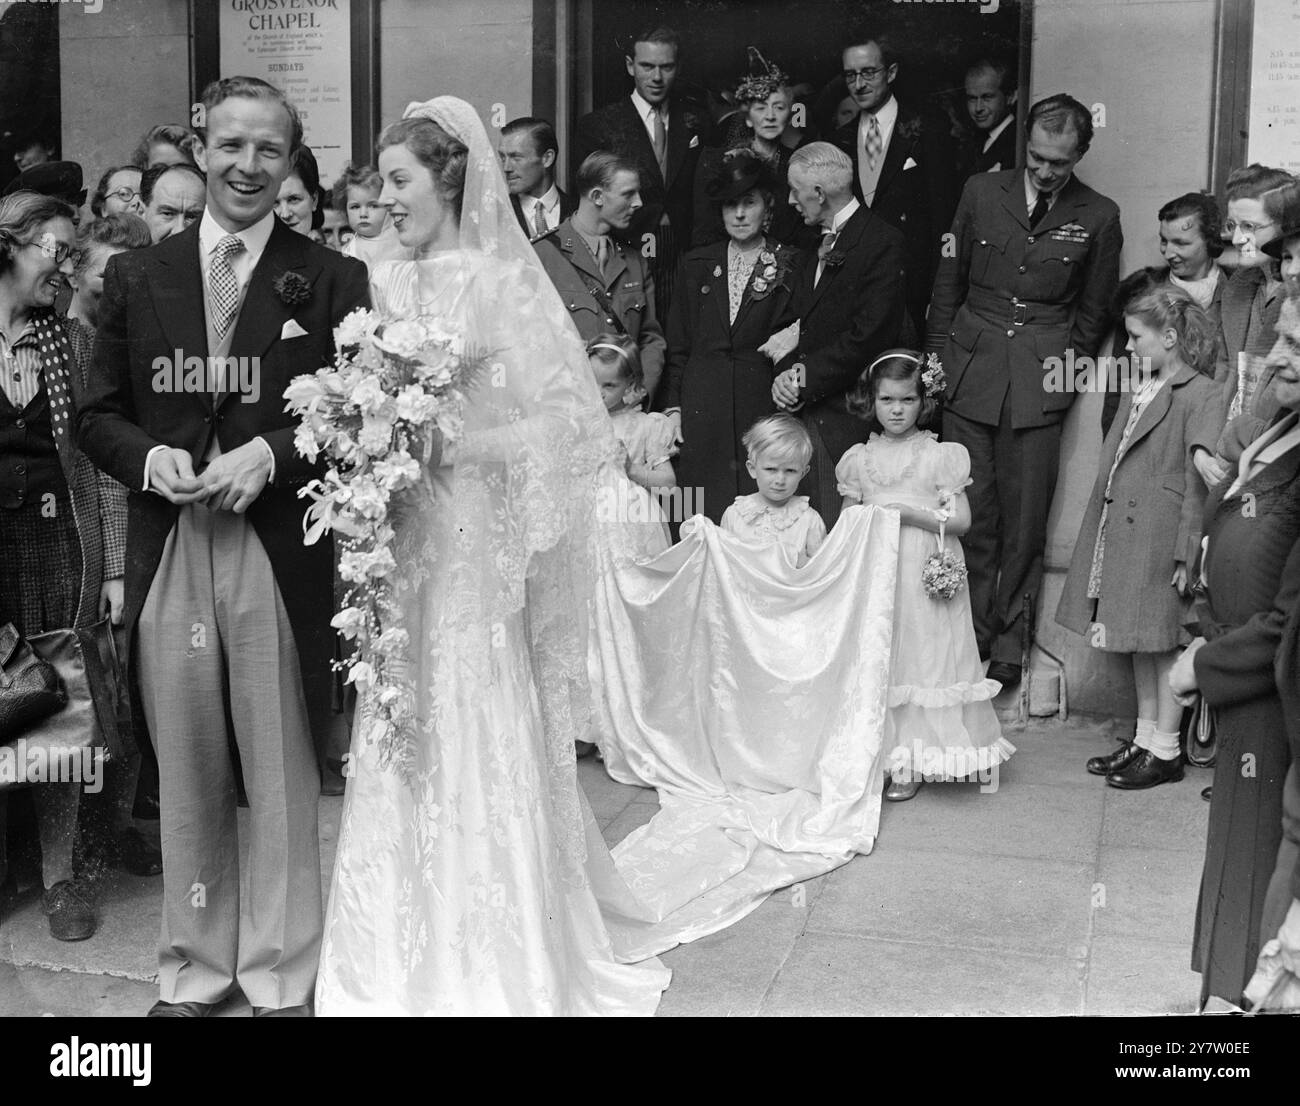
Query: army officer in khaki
pixel 605 284
pixel 1034 264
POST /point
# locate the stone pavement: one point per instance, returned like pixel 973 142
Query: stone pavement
pixel 1054 894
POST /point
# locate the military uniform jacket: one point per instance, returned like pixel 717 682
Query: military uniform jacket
pixel 628 288
pixel 1006 299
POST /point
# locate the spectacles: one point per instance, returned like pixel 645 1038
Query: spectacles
pixel 126 195
pixel 1230 228
pixel 59 252
pixel 853 77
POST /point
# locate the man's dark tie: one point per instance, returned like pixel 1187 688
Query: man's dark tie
pixel 1040 209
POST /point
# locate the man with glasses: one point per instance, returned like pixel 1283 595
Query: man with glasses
pixel 1252 300
pixel 1035 266
pixel 904 164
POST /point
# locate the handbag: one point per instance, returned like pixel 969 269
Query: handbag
pixel 92 726
pixel 29 685
pixel 1202 742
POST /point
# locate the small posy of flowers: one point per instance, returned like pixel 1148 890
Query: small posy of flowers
pixel 395 390
pixel 932 376
pixel 292 288
pixel 944 573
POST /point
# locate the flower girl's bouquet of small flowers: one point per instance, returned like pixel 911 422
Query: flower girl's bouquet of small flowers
pixel 395 391
pixel 944 573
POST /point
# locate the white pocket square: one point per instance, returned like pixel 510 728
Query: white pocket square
pixel 909 164
pixel 695 141
pixel 291 329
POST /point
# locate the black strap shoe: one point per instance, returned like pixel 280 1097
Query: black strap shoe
pixel 1148 770
pixel 1122 757
pixel 162 1009
pixel 1008 675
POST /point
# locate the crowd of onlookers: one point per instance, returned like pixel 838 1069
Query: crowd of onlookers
pixel 875 224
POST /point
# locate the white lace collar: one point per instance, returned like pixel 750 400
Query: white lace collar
pixel 753 507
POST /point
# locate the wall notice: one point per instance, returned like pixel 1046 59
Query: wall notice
pixel 305 48
pixel 1275 85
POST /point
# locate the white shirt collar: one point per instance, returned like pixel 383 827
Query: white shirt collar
pixel 550 200
pixel 997 131
pixel 844 215
pixel 886 117
pixel 1031 192
pixel 254 238
pixel 645 109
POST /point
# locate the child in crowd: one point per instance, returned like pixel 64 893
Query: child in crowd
pixel 779 451
pixel 646 441
pixel 1129 582
pixel 374 238
pixel 941 724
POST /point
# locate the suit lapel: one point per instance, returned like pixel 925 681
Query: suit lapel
pixel 641 140
pixel 264 313
pixel 897 153
pixel 717 258
pixel 175 284
pixel 575 249
pixel 678 143
pixel 747 299
pixel 1063 210
pixel 850 235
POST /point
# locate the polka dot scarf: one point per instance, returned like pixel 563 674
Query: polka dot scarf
pixel 58 365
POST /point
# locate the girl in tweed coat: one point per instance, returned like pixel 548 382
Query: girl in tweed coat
pixel 1128 588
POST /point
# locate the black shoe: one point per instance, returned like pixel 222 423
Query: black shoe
pixel 332 782
pixel 1008 675
pixel 1207 792
pixel 1145 771
pixel 71 916
pixel 302 1011
pixel 161 1009
pixel 584 749
pixel 1122 757
pixel 132 853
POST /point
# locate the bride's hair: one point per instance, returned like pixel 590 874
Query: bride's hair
pixel 445 157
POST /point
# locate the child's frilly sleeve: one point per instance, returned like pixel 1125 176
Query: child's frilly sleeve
pixel 848 474
pixel 952 469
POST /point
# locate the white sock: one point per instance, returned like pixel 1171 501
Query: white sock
pixel 1164 745
pixel 1145 728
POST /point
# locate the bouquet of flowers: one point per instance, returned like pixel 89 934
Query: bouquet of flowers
pixel 395 391
pixel 944 573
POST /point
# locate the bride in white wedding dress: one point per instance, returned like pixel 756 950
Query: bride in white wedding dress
pixel 470 885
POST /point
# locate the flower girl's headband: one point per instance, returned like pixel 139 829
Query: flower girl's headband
pixel 933 380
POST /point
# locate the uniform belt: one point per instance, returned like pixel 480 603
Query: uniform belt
pixel 1009 311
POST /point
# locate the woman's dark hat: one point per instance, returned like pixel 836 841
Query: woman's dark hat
pixel 740 171
pixel 59 179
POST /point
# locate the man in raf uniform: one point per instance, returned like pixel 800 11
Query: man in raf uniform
pixel 605 284
pixel 1033 266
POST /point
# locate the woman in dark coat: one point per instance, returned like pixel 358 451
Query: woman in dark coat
pixel 731 297
pixel 1252 574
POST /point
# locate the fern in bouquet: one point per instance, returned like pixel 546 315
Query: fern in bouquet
pixel 395 391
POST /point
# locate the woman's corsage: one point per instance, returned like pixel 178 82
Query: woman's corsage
pixel 771 270
pixel 292 288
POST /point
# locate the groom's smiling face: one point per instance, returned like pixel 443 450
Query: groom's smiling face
pixel 246 158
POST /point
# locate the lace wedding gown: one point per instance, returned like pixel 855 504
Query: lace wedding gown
pixel 472 886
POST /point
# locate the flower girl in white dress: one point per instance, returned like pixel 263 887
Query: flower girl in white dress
pixel 941 724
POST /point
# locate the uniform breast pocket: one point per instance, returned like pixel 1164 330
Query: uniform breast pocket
pixel 1058 270
pixel 1174 484
pixel 986 258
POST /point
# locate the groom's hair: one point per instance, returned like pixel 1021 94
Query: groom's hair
pixel 250 88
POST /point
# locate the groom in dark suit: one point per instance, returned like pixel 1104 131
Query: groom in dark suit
pixel 848 298
pixel 228 610
pixel 653 131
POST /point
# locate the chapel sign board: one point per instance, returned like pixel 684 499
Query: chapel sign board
pixel 1275 85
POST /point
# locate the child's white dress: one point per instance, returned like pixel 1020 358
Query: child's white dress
pixel 631 516
pixel 791 526
pixel 941 723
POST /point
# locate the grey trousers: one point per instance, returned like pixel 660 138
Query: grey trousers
pixel 216 653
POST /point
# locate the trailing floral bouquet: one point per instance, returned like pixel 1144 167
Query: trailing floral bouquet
pixel 396 390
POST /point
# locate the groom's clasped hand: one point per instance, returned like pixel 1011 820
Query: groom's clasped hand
pixel 231 482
